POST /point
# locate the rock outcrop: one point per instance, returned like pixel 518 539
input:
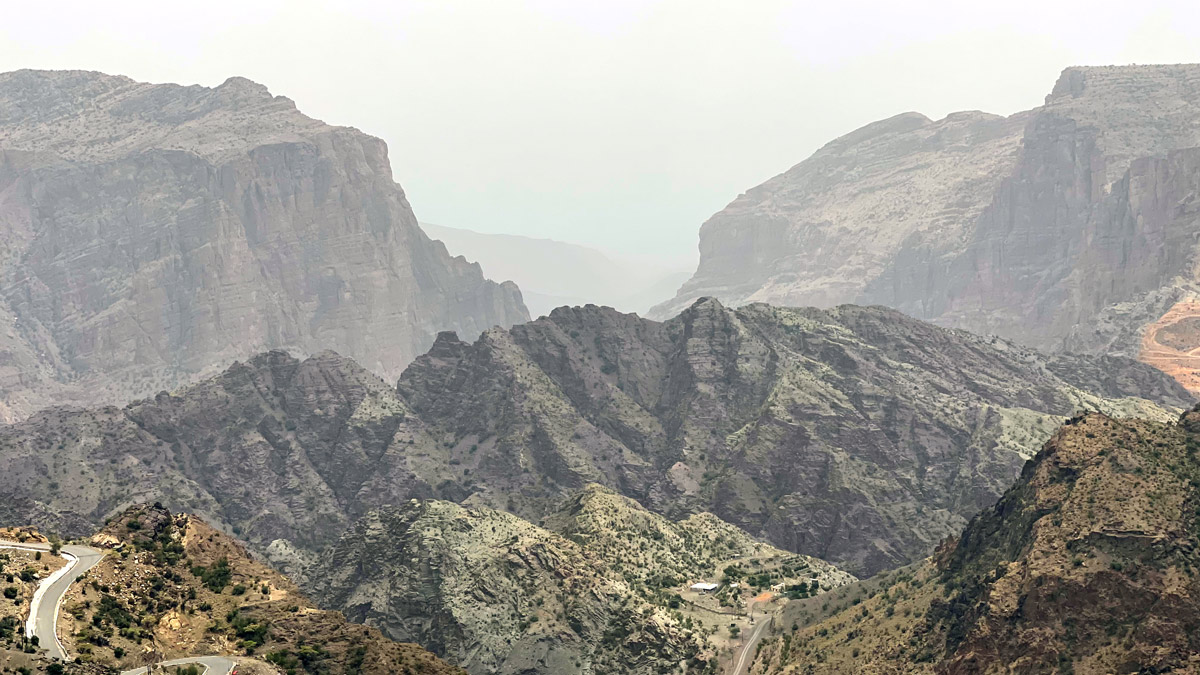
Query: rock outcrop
pixel 856 435
pixel 594 591
pixel 1068 227
pixel 154 233
pixel 1088 565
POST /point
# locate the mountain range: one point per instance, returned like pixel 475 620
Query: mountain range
pixel 856 435
pixel 926 405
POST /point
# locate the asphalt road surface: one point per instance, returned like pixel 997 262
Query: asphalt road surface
pixel 213 665
pixel 43 612
pixel 743 662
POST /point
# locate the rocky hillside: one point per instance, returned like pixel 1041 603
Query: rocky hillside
pixel 645 549
pixel 175 587
pixel 1070 226
pixel 153 233
pixel 21 663
pixel 1090 564
pixel 856 435
pixel 21 571
pixel 598 590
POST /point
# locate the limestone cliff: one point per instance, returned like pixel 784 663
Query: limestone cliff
pixel 1068 227
pixel 153 233
pixel 824 231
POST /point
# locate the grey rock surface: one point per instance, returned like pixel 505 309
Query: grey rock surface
pixel 856 435
pixel 154 233
pixel 1071 227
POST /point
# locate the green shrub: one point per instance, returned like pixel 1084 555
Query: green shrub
pixel 216 576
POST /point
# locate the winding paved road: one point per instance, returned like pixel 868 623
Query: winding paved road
pixel 213 665
pixel 43 611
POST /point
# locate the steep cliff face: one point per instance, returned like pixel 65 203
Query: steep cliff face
pixel 906 188
pixel 153 233
pixel 1097 212
pixel 1071 226
pixel 1088 565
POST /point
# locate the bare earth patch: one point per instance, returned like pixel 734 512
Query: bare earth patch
pixel 1172 344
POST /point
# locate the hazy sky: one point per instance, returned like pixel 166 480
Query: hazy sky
pixel 610 122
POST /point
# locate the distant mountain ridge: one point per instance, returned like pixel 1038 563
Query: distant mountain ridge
pixel 856 435
pixel 1067 227
pixel 151 234
pixel 554 273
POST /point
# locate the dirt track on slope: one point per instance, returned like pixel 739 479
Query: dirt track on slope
pixel 1172 344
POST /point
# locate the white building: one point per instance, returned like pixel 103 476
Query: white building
pixel 705 587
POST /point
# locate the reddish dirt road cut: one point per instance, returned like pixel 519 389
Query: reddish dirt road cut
pixel 1172 344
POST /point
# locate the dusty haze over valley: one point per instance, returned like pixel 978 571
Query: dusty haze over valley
pixel 544 338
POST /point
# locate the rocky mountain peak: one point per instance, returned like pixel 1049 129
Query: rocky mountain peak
pixel 446 344
pixel 707 304
pixel 818 233
pixel 897 124
pixel 238 87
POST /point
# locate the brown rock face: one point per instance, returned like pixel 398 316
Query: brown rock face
pixel 153 233
pixel 1087 565
pixel 1071 226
